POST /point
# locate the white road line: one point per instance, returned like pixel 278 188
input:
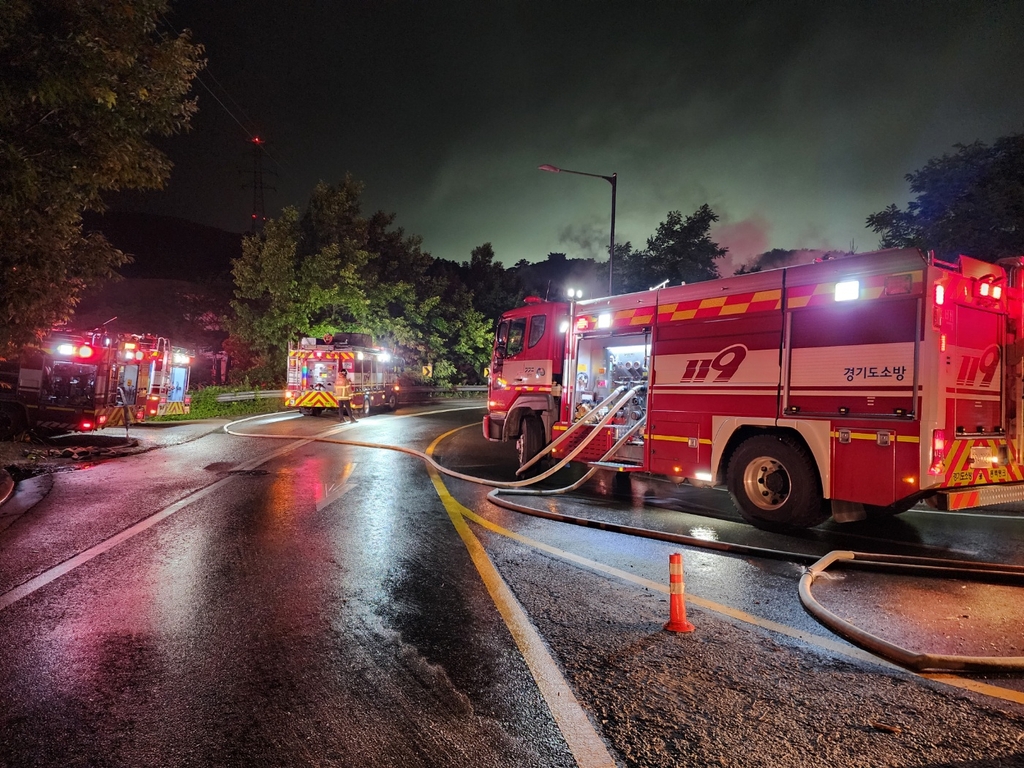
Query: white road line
pixel 583 740
pixel 334 491
pixel 27 588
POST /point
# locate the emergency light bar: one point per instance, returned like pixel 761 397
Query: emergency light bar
pixel 987 288
pixel 84 351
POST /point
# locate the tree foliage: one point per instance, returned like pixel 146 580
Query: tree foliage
pixel 330 269
pixel 83 85
pixel 971 201
pixel 680 251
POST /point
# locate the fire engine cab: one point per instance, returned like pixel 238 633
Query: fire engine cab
pixel 314 364
pixel 66 383
pixel 846 388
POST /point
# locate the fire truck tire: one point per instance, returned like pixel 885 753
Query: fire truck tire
pixel 366 404
pixel 531 439
pixel 392 402
pixel 316 411
pixel 774 483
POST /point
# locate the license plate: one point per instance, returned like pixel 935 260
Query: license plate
pixel 981 454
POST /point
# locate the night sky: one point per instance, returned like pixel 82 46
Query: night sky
pixel 793 121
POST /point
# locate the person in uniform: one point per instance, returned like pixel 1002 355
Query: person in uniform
pixel 343 394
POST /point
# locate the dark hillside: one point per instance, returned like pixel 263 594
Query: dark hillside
pixel 167 248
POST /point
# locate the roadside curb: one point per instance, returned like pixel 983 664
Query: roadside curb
pixel 6 486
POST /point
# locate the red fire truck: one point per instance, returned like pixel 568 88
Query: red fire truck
pixel 313 365
pixel 153 377
pixel 845 388
pixel 67 383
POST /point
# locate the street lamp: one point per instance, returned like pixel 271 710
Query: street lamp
pixel 611 180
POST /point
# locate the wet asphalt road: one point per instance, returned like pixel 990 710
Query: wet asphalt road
pixel 309 603
pixel 258 625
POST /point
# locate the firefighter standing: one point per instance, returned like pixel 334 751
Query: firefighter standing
pixel 343 394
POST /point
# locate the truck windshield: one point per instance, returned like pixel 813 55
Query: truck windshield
pixel 516 333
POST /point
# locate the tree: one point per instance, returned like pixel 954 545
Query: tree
pixel 332 270
pixel 680 251
pixel 969 202
pixel 279 293
pixel 83 85
pixel 495 289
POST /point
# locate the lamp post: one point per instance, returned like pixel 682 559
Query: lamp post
pixel 611 180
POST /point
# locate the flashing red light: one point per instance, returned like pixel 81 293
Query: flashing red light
pixel 582 324
pixel 85 426
pixel 986 288
pixel 940 294
pixel 938 451
pixel 102 420
pixel 152 411
pixel 85 351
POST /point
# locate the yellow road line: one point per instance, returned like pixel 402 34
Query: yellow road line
pixel 833 646
pixel 583 741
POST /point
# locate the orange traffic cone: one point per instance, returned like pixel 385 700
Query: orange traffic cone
pixel 677 603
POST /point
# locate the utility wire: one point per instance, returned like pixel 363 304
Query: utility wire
pixel 227 95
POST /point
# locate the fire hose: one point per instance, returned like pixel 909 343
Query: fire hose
pixel 904 565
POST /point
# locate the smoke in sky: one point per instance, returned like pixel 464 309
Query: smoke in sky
pixel 746 240
pixel 796 119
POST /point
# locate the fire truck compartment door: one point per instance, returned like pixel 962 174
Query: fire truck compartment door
pixel 975 365
pixel 853 360
pixel 129 382
pixel 863 465
pixel 674 446
pixel 176 390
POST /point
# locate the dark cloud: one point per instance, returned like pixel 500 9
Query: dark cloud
pixel 794 121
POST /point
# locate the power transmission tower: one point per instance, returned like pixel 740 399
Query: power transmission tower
pixel 259 215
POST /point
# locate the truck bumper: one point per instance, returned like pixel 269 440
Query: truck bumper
pixel 493 428
pixel 968 498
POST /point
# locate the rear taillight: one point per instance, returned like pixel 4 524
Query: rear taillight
pixel 938 451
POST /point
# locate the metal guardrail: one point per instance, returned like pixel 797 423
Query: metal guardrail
pixel 262 394
pixel 416 392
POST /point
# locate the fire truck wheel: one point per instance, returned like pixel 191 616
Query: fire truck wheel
pixel 392 402
pixel 531 439
pixel 366 405
pixel 774 483
pixel 316 411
